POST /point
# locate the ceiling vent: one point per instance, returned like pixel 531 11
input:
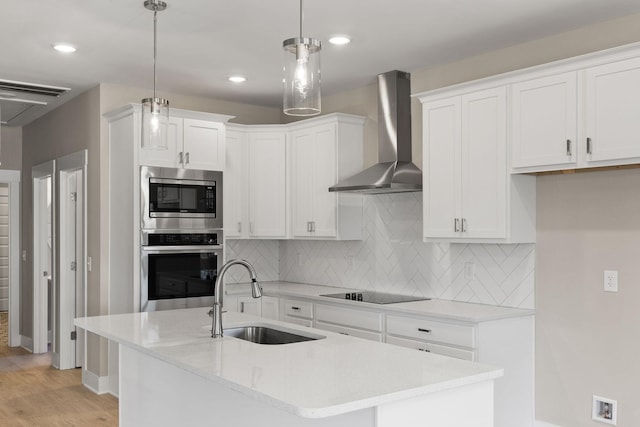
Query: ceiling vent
pixel 20 101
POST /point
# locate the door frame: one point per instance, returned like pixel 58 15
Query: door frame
pixel 40 299
pixel 67 295
pixel 12 178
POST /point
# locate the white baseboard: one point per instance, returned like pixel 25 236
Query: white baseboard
pixel 26 343
pixel 545 424
pixel 98 385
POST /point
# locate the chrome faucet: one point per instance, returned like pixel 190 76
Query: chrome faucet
pixel 216 311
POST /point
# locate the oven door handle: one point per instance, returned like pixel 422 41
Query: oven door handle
pixel 180 249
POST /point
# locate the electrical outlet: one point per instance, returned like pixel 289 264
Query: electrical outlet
pixel 604 410
pixel 611 281
pixel 469 270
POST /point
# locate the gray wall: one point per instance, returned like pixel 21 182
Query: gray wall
pixel 586 339
pixel 11 154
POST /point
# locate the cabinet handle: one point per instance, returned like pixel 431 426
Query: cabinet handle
pixel 313 226
pixel 464 225
pixel 239 227
pixel 588 145
pixel 251 227
pixel 428 331
pixel 456 224
pixel 242 307
pixel 425 349
pixel 569 147
pixel 343 333
pixel 180 157
pixel 308 226
pixel 187 156
pixel 295 308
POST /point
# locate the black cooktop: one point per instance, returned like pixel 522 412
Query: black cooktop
pixel 375 297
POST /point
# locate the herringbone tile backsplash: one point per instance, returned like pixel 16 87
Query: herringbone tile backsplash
pixel 393 258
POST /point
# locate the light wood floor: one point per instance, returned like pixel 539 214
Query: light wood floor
pixel 32 393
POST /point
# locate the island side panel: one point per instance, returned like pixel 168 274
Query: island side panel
pixel 470 405
pixel 153 392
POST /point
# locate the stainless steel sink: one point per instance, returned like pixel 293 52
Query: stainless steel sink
pixel 267 335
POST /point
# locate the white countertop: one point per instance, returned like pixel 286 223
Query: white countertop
pixel 313 379
pixel 454 310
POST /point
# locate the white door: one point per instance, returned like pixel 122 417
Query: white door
pixel 43 274
pixel 203 145
pixel 543 120
pixel 484 164
pixel 613 111
pixel 441 154
pixel 267 190
pixel 71 262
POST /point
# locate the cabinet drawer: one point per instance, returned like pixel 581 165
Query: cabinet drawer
pixel 433 348
pixel 373 336
pixel 431 330
pixel 349 317
pixel 298 308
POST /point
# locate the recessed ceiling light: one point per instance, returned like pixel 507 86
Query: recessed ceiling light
pixel 64 48
pixel 237 79
pixel 340 40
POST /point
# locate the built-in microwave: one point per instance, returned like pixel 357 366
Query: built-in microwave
pixel 180 198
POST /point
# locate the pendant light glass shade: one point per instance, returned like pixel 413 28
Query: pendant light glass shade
pixel 155 118
pixel 301 75
pixel 155 111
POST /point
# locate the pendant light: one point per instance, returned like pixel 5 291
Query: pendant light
pixel 155 111
pixel 301 75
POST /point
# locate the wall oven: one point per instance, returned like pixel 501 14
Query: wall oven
pixel 176 199
pixel 179 268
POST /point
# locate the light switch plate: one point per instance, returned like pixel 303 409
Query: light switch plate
pixel 611 281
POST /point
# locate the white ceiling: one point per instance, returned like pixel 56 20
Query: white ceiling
pixel 202 42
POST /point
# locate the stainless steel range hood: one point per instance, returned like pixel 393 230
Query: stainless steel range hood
pixel 394 172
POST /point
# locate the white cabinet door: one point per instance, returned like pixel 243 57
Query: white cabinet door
pixel 267 187
pixel 441 199
pixel 613 111
pixel 249 305
pixel 484 164
pixel 270 307
pixel 313 171
pixel 302 166
pixel 165 158
pixel 543 121
pixel 235 214
pixel 324 176
pixel 203 145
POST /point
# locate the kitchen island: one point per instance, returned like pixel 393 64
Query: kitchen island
pixel 173 373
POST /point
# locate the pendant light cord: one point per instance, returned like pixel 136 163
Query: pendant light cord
pixel 155 52
pixel 301 16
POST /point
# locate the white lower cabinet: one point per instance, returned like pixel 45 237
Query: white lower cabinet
pixel 430 347
pixel 266 306
pixel 296 311
pixel 349 321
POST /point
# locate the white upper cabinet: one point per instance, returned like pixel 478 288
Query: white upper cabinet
pixel 277 179
pixel 583 118
pixel 192 144
pixel 544 121
pixel 468 193
pixel 235 217
pixel 322 152
pixel 266 169
pixel 612 95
